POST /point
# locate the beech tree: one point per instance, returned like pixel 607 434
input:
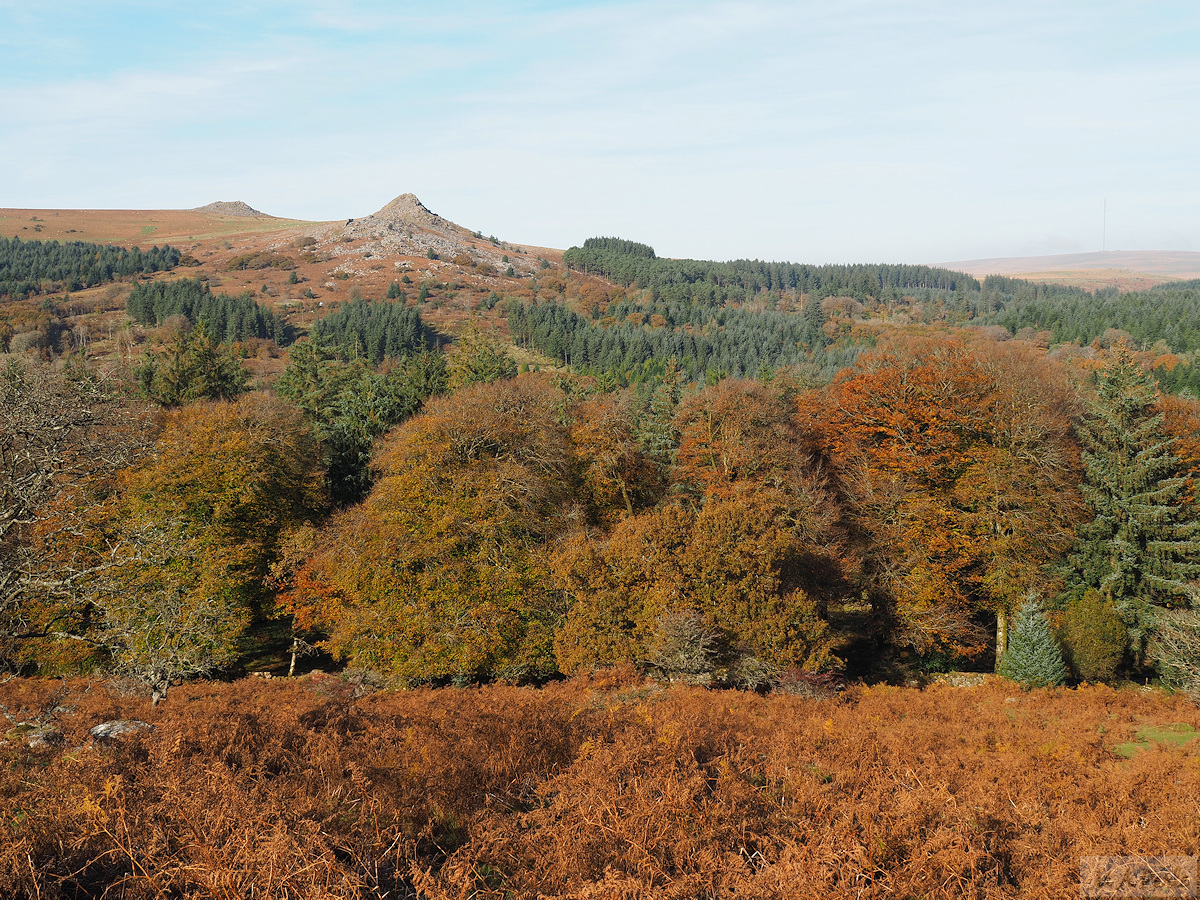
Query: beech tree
pixel 619 477
pixel 957 475
pixel 198 526
pixel 438 574
pixel 730 564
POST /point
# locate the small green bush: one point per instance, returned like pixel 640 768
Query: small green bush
pixel 1095 638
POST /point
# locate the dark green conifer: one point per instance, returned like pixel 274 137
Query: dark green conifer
pixel 1142 548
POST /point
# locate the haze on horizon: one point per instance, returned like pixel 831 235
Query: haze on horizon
pixel 918 131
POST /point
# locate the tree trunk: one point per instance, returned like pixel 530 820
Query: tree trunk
pixel 625 497
pixel 1001 636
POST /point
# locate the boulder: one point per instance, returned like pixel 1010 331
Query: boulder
pixel 107 731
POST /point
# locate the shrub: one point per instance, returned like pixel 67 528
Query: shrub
pixel 749 671
pixel 810 685
pixel 684 647
pixel 1175 649
pixel 1033 658
pixel 263 260
pixel 1095 638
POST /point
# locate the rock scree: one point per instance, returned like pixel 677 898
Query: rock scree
pixel 229 208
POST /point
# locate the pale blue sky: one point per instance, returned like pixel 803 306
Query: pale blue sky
pixel 856 130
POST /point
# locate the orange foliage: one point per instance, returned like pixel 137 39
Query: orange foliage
pixel 1181 422
pixel 307 788
pixel 729 561
pixel 734 435
pixel 617 476
pixel 958 468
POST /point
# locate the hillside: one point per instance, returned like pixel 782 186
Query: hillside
pixel 297 269
pixel 1122 269
pixel 616 310
pixel 658 567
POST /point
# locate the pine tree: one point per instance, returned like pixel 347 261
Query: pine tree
pixel 1142 547
pixel 1033 657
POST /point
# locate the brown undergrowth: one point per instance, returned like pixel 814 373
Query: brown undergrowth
pixel 589 789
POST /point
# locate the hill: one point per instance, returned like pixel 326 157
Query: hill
pixel 298 269
pixel 1122 269
pixel 230 208
pixel 611 307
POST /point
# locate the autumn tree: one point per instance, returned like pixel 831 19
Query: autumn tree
pixel 197 528
pixel 729 563
pixel 739 439
pixel 735 436
pixel 957 472
pixel 65 433
pixel 619 476
pixel 438 574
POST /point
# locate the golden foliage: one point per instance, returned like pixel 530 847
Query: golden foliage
pixel 436 575
pixel 729 561
pixel 610 788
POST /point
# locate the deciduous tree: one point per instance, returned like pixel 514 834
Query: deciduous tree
pixel 728 563
pixel 198 527
pixel 438 575
pixel 64 435
pixel 956 469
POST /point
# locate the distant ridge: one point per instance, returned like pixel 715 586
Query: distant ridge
pixel 1170 263
pixel 229 208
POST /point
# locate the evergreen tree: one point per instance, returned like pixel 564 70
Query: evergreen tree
pixel 350 406
pixel 1142 548
pixel 479 358
pixel 1033 657
pixel 192 368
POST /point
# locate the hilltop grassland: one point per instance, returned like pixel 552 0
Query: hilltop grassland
pixel 141 227
pixel 609 787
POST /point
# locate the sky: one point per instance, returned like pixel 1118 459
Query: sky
pixel 844 131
